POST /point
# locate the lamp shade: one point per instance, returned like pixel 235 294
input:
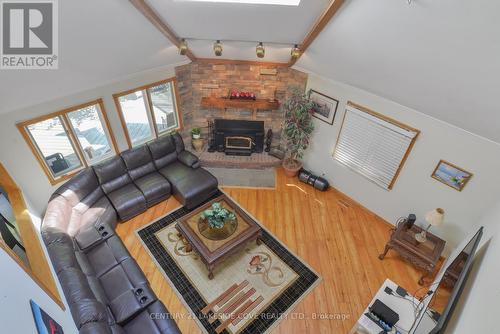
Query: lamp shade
pixel 435 217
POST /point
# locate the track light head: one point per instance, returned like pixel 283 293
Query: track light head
pixel 260 51
pixel 218 48
pixel 183 47
pixel 295 53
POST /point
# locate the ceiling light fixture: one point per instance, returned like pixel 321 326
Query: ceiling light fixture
pixel 183 47
pixel 218 48
pixel 295 53
pixel 260 51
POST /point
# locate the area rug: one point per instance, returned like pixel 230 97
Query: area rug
pixel 276 274
pixel 244 178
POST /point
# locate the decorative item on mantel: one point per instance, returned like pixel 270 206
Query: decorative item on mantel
pixel 297 130
pixel 236 95
pixel 434 218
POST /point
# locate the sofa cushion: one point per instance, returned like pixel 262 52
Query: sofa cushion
pixel 112 174
pixel 154 187
pixel 58 214
pixel 100 327
pixel 100 213
pixel 189 159
pixel 82 188
pixel 75 286
pixel 176 171
pixel 163 151
pixel 179 142
pixel 153 320
pixel 87 311
pixel 106 255
pixel 199 186
pixel 122 277
pixel 128 201
pixel 138 161
pixel 60 248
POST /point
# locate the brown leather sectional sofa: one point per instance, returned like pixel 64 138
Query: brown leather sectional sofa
pixel 104 287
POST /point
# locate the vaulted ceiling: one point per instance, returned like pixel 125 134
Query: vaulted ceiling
pixel 441 58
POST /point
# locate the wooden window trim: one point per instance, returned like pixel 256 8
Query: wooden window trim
pixel 149 109
pixel 39 269
pixel 389 120
pixel 68 128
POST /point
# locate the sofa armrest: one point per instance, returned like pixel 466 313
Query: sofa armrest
pixel 131 302
pixel 188 159
pixel 91 236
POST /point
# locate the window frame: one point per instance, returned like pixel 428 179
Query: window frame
pixel 70 132
pixel 388 120
pixel 149 109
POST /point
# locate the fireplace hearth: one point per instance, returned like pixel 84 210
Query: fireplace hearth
pixel 237 137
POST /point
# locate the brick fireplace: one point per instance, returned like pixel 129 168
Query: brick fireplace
pixel 202 79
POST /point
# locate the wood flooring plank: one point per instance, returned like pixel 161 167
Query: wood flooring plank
pixel 332 233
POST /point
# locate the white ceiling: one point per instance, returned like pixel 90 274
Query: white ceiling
pixel 204 22
pixel 241 22
pixel 99 42
pixel 441 58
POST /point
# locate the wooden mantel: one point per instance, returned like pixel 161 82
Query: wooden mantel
pixel 226 103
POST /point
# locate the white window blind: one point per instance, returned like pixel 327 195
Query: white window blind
pixel 372 145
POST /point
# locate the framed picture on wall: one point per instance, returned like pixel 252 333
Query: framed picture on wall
pixel 44 322
pixel 451 175
pixel 325 107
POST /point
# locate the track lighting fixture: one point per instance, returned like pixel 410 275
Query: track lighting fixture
pixel 260 51
pixel 218 48
pixel 295 53
pixel 183 47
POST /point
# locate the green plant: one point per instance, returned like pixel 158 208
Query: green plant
pixel 297 127
pixel 217 215
pixel 196 131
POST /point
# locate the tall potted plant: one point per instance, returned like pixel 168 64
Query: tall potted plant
pixel 297 130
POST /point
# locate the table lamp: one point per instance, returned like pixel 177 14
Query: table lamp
pixel 434 218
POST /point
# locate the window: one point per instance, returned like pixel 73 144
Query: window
pixel 373 145
pixel 148 112
pixel 66 141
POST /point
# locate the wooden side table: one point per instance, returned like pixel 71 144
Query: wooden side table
pixel 424 256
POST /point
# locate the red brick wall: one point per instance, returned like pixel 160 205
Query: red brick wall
pixel 196 80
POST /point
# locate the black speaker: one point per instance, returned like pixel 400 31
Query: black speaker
pixel 316 181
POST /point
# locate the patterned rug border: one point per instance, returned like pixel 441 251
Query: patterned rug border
pixel 266 234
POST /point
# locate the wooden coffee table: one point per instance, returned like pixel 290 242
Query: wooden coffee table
pixel 214 252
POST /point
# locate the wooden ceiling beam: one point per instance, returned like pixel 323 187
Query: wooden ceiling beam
pixel 153 17
pixel 318 26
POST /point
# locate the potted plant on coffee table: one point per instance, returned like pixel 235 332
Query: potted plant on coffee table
pixel 297 129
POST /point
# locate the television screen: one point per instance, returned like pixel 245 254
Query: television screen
pixel 437 312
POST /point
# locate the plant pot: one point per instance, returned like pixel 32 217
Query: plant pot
pixel 197 144
pixel 196 136
pixel 214 233
pixel 291 167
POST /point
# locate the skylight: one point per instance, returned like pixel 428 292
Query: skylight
pixel 257 2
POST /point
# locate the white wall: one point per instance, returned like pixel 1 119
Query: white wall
pixel 477 309
pixel 414 191
pixel 20 161
pixel 16 290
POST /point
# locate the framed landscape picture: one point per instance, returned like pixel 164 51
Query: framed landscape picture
pixel 325 107
pixel 451 175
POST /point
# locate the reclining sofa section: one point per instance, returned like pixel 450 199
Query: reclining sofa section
pixel 104 287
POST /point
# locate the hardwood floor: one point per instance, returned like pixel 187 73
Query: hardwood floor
pixel 337 237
